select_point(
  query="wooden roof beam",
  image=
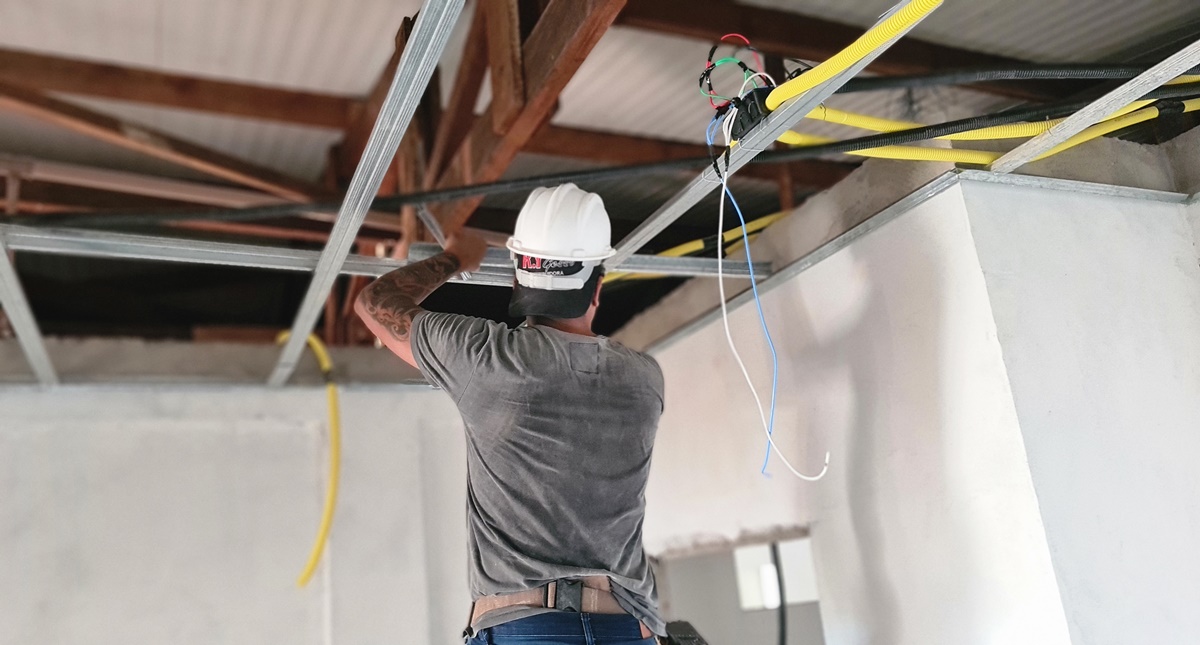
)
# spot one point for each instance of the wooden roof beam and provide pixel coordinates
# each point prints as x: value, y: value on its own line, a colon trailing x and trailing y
x: 138, y: 85
x: 459, y: 112
x: 503, y: 28
x: 557, y: 46
x: 153, y: 144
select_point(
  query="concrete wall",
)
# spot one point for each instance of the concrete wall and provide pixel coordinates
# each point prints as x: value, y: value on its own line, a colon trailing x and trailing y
x: 137, y: 361
x: 702, y: 589
x: 1097, y: 304
x: 185, y: 515
x: 926, y: 530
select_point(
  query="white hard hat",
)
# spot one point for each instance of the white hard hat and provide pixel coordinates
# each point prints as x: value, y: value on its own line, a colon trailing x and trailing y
x: 562, y: 234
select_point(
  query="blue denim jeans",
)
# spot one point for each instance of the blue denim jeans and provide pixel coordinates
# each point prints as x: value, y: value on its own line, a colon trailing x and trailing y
x: 565, y: 628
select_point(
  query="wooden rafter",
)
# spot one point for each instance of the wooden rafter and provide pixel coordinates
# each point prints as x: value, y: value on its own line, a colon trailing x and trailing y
x: 504, y: 60
x: 459, y: 112
x: 797, y: 36
x: 154, y: 144
x: 178, y: 190
x: 557, y: 46
x: 85, y: 78
x: 625, y: 149
x: 43, y: 197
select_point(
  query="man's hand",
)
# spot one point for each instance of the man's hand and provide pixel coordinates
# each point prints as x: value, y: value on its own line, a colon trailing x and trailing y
x: 469, y: 248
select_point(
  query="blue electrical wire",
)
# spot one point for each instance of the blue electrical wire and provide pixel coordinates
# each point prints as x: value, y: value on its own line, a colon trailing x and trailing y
x: 766, y: 332
x: 757, y: 302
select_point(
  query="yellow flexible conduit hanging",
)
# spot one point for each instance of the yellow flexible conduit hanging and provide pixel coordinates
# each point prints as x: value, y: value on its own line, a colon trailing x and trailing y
x: 335, y: 455
x: 839, y: 62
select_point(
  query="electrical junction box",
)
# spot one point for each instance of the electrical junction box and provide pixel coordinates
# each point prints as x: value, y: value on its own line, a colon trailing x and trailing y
x: 751, y: 110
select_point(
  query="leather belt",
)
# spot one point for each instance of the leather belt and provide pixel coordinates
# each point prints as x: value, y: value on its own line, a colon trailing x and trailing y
x: 590, y: 595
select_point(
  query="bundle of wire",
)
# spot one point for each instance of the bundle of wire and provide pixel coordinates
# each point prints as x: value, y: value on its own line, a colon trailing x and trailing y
x: 726, y: 113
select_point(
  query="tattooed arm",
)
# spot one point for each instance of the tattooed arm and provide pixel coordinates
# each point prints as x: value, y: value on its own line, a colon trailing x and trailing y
x: 388, y: 305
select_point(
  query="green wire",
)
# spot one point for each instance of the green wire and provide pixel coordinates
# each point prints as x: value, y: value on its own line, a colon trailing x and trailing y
x: 723, y: 61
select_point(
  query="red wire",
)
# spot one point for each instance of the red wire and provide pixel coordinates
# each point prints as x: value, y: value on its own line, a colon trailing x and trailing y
x: 757, y: 60
x: 746, y: 40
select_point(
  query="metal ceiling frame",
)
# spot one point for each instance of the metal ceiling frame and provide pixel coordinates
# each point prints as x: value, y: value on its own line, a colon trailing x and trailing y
x: 497, y: 267
x: 415, y: 68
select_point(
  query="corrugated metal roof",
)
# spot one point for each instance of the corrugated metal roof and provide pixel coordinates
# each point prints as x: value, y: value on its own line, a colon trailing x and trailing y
x: 295, y: 150
x: 1045, y: 31
x: 329, y: 46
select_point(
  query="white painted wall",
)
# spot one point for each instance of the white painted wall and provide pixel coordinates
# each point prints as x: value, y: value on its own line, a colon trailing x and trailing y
x: 926, y: 529
x: 1097, y: 303
x: 184, y: 515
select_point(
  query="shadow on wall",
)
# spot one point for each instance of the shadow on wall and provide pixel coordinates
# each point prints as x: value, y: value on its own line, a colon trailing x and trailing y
x: 864, y: 379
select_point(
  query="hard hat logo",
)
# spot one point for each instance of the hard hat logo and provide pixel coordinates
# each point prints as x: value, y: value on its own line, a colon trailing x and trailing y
x: 528, y: 264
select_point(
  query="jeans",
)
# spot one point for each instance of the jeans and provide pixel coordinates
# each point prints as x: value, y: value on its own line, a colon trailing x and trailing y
x: 565, y: 628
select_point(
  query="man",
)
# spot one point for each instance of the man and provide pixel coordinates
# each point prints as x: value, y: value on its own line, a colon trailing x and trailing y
x: 560, y: 424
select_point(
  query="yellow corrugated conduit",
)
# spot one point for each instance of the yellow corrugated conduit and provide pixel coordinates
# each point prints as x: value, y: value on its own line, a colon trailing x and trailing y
x: 908, y: 153
x: 1124, y: 118
x: 695, y: 246
x: 1112, y: 125
x: 335, y: 455
x: 1010, y: 131
x: 867, y: 43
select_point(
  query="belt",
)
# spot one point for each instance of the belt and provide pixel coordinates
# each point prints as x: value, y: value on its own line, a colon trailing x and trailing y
x: 590, y: 595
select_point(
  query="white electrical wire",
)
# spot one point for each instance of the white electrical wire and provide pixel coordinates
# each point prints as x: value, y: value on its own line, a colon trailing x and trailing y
x: 751, y: 77
x: 726, y: 130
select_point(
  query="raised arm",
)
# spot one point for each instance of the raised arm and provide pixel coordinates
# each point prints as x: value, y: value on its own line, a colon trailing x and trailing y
x: 389, y: 304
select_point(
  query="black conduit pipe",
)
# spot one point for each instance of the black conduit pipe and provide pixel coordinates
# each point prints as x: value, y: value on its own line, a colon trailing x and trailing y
x: 782, y: 593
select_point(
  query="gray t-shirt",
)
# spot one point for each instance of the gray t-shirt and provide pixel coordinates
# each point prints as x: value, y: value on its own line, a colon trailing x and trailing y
x: 559, y: 433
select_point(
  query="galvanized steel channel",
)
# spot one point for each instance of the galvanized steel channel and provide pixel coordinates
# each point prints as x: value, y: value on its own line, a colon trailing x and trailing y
x: 497, y: 267
x: 16, y: 307
x: 417, y: 62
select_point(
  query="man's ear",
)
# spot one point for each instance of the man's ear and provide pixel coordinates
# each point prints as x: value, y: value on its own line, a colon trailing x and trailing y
x: 596, y: 296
